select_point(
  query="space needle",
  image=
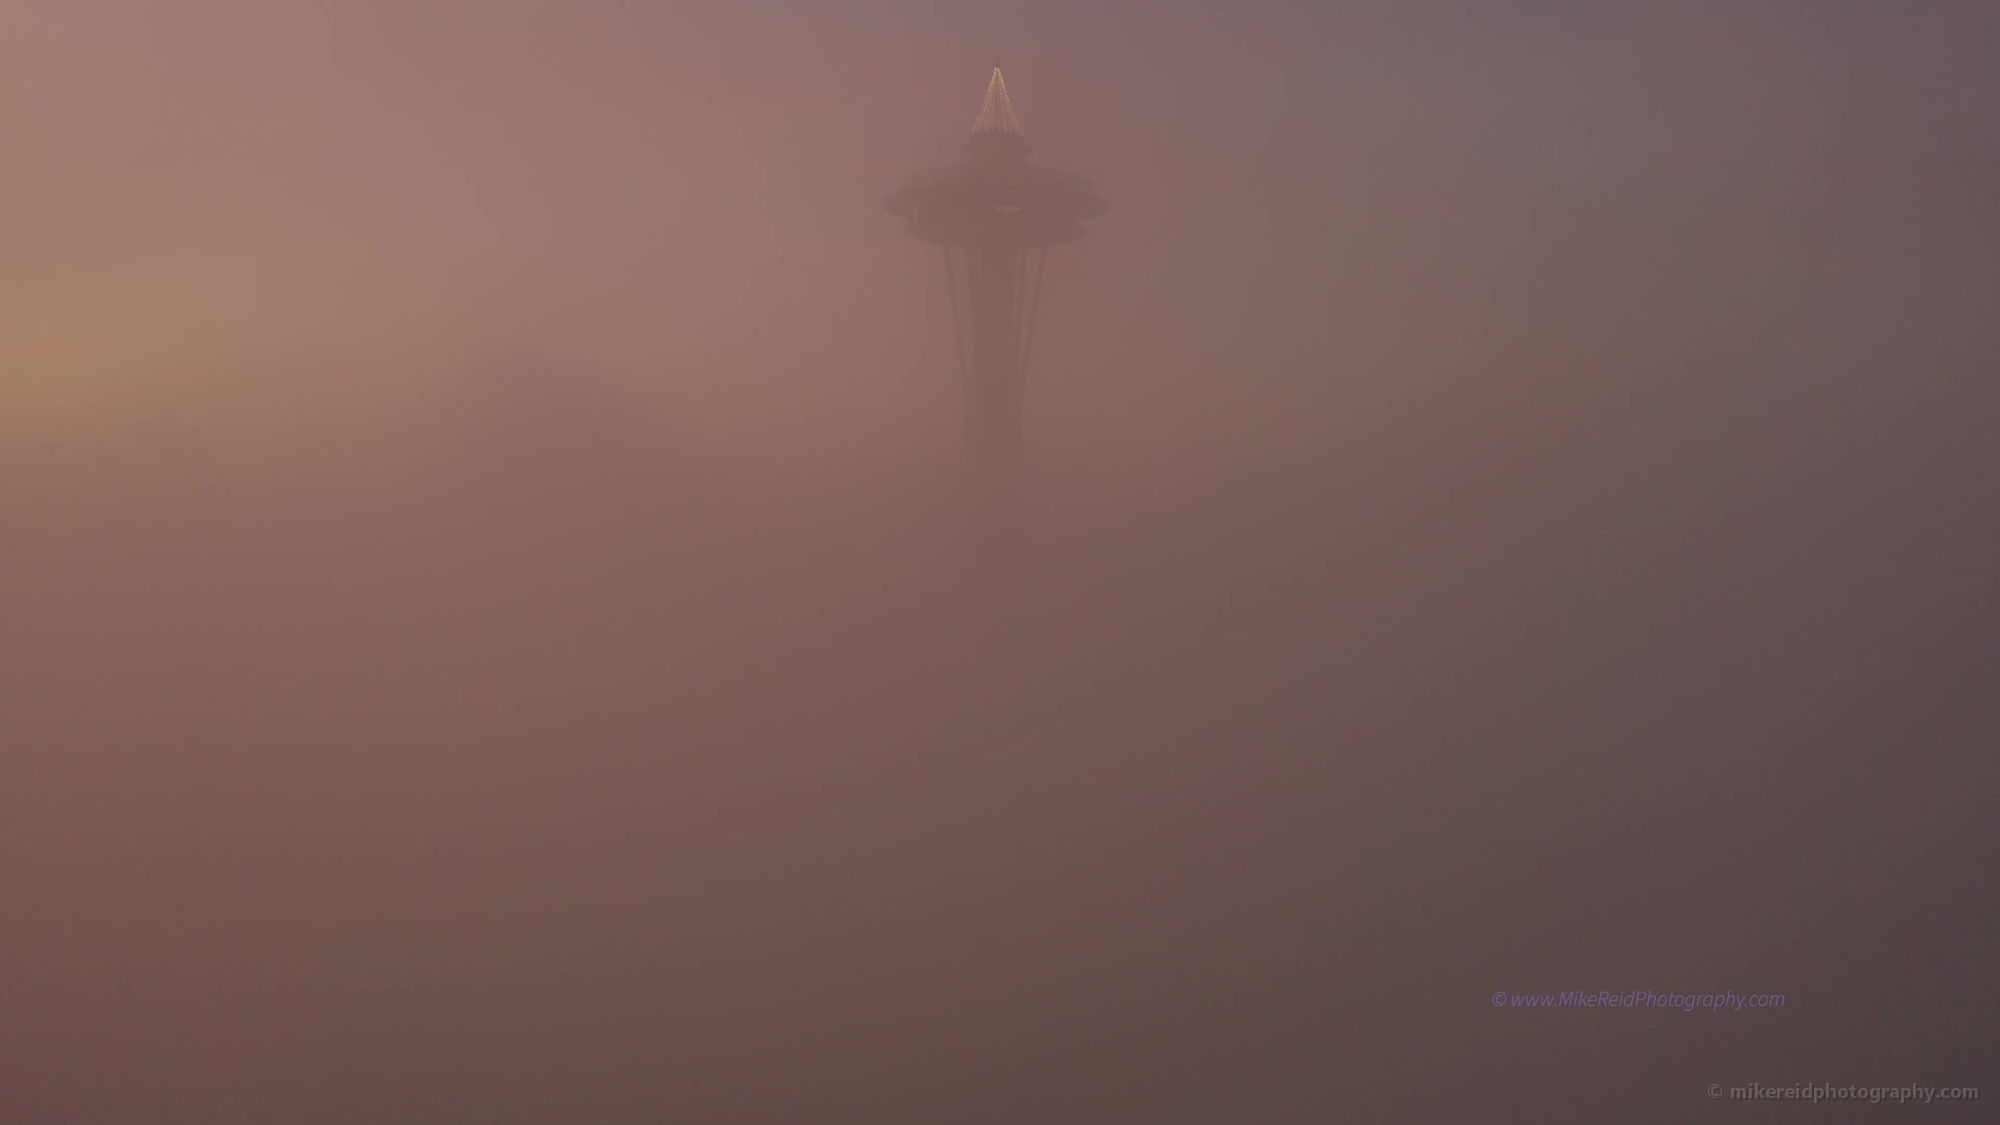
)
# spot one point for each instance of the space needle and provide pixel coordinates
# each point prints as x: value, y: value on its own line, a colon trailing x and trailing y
x: 994, y: 216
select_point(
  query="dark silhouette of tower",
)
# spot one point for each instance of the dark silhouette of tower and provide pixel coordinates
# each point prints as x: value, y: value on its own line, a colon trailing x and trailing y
x: 997, y: 212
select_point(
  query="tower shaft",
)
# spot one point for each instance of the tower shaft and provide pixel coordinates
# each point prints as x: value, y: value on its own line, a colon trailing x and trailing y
x: 995, y: 394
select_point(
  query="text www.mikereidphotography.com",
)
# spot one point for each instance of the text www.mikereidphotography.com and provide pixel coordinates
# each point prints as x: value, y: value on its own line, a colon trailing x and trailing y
x: 1641, y: 998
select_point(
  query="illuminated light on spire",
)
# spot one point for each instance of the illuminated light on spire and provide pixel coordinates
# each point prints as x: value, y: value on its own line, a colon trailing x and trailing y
x: 997, y: 114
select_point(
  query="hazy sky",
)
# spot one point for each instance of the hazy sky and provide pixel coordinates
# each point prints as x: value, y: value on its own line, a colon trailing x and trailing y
x: 206, y: 188
x: 485, y: 630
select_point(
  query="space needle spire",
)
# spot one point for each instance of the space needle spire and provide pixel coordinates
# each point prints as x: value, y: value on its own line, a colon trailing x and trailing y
x: 996, y: 114
x: 995, y: 216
